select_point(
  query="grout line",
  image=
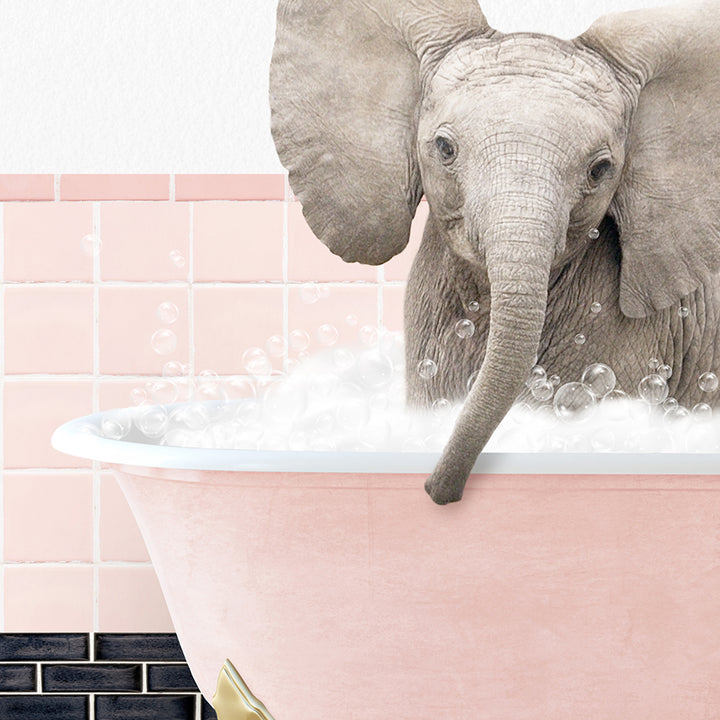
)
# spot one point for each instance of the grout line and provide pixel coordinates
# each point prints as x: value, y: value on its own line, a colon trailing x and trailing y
x: 2, y: 412
x: 38, y: 679
x: 97, y: 232
x: 285, y: 272
x: 144, y: 677
x: 191, y: 293
x: 56, y: 187
x: 172, y: 187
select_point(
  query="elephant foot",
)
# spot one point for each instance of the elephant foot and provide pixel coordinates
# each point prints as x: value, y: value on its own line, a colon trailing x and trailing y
x: 443, y: 490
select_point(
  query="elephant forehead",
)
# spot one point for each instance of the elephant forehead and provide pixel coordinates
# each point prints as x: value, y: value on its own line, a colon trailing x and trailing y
x: 526, y: 60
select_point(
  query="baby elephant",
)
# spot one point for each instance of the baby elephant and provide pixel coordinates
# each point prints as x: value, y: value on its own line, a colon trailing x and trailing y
x: 573, y: 189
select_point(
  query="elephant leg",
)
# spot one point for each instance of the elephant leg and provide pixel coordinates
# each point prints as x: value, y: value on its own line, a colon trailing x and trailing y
x: 442, y: 290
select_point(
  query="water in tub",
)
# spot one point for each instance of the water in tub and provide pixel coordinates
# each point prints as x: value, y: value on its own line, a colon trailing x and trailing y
x: 351, y: 398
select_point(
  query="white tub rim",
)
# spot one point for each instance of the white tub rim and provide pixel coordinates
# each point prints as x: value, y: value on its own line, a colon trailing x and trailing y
x: 73, y: 438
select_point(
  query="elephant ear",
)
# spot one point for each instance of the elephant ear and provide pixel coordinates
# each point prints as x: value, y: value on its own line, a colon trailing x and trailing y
x: 667, y: 206
x: 345, y: 81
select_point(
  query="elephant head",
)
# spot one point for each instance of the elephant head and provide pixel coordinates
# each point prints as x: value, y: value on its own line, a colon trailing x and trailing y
x: 521, y: 143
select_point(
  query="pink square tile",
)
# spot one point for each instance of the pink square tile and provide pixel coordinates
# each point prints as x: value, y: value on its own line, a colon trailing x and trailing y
x: 238, y: 241
x: 399, y: 267
x: 229, y: 320
x: 32, y: 411
x: 48, y: 517
x: 115, y: 187
x: 139, y: 237
x: 27, y: 187
x: 393, y: 299
x: 120, y: 537
x: 347, y: 308
x: 48, y: 599
x: 43, y: 241
x: 309, y: 258
x: 48, y: 329
x: 230, y: 187
x: 128, y: 323
x: 131, y: 601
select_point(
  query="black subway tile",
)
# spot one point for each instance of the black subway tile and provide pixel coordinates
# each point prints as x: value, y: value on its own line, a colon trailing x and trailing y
x: 17, y: 678
x: 155, y: 646
x: 207, y: 712
x: 144, y: 707
x: 92, y: 678
x: 170, y: 677
x: 44, y: 646
x: 42, y: 707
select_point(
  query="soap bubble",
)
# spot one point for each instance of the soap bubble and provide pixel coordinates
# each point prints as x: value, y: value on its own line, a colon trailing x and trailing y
x: 616, y: 405
x: 579, y: 339
x: 256, y: 362
x: 702, y: 411
x: 574, y: 401
x: 554, y: 380
x: 239, y: 387
x: 378, y: 402
x: 678, y: 418
x: 368, y: 335
x: 653, y: 389
x: 536, y: 376
x: 209, y: 386
x: 671, y: 402
x: 91, y: 245
x: 177, y: 258
x: 351, y: 320
x: 161, y: 392
x: 683, y: 312
x: 283, y: 403
x: 248, y: 413
x: 593, y: 233
x: 542, y: 391
x: 464, y: 328
x: 168, y: 312
x: 392, y: 345
x: 276, y: 346
x: 599, y: 378
x: 116, y: 424
x: 471, y: 380
x: 299, y: 340
x: 163, y: 341
x: 175, y: 368
x: 152, y: 421
x: 708, y: 382
x: 194, y: 416
x: 703, y: 439
x: 327, y: 335
x: 603, y: 440
x: 138, y: 396
x: 473, y: 306
x: 427, y: 369
x: 343, y: 358
x: 596, y: 307
x: 665, y: 372
x: 441, y: 407
x: 375, y: 369
x: 653, y: 364
x: 309, y: 293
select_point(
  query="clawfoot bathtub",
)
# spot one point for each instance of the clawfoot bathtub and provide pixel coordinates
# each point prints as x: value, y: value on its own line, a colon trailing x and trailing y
x: 339, y: 591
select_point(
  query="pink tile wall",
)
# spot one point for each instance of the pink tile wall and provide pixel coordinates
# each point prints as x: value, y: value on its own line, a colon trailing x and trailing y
x: 86, y: 260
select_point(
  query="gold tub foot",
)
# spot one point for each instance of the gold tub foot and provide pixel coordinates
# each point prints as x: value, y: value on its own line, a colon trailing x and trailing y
x: 233, y: 700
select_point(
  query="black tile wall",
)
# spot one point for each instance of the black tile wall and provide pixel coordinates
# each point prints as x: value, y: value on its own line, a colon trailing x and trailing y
x: 158, y: 646
x: 41, y: 707
x: 169, y: 677
x: 108, y: 676
x: 146, y: 707
x: 44, y: 646
x: 17, y: 678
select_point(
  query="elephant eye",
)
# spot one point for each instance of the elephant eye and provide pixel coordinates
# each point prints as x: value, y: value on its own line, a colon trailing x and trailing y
x: 446, y: 148
x: 599, y: 170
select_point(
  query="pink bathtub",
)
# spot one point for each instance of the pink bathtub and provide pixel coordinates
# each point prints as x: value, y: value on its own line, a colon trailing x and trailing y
x: 339, y: 591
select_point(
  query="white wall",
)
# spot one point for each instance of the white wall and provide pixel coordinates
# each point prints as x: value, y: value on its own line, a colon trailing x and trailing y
x: 168, y: 85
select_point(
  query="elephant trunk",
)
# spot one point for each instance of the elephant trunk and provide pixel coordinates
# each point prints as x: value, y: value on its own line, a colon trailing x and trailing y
x: 519, y: 250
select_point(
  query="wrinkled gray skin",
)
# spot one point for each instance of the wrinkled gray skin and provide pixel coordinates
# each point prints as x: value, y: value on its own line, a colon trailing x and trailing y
x: 522, y: 145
